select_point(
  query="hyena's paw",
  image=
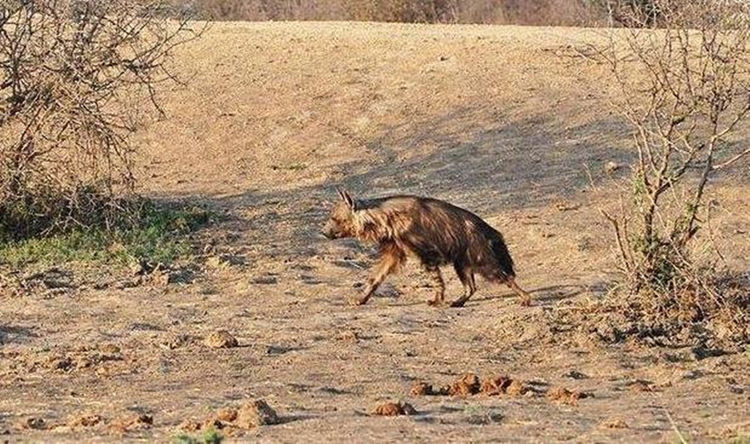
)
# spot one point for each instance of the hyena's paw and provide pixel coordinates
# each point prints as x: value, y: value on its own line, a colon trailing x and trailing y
x: 435, y: 302
x: 357, y: 300
x: 525, y: 302
x: 458, y: 303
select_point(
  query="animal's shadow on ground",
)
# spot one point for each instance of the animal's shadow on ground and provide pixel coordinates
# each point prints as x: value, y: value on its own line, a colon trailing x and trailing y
x: 543, y: 295
x: 549, y: 294
x: 10, y: 333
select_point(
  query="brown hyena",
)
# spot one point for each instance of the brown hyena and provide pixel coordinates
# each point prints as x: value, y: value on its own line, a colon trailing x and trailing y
x: 435, y: 232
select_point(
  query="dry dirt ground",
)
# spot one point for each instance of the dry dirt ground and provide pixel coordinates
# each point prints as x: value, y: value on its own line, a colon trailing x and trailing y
x: 504, y: 121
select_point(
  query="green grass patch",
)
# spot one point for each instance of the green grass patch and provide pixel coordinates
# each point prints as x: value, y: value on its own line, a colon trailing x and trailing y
x: 210, y: 436
x: 150, y: 232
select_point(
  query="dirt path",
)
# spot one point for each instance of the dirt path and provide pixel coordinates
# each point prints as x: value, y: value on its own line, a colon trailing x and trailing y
x: 500, y: 120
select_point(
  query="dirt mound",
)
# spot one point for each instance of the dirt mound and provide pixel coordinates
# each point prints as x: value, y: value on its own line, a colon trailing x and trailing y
x: 468, y: 385
x: 641, y: 386
x: 220, y: 339
x: 422, y: 389
x: 190, y: 425
x: 132, y: 423
x: 254, y: 414
x: 235, y: 419
x: 227, y: 414
x: 85, y: 421
x: 496, y: 386
x: 516, y: 388
x: 565, y: 396
x: 394, y: 409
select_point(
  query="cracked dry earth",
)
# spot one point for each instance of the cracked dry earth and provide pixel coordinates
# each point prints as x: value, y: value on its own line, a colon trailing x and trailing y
x: 500, y: 120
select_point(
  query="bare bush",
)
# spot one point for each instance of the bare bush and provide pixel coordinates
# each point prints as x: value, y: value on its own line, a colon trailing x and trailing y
x: 266, y: 9
x: 528, y: 12
x: 405, y: 11
x: 685, y: 89
x: 73, y: 78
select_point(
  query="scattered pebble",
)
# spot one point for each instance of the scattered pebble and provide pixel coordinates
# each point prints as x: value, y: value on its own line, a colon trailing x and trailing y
x: 496, y: 386
x: 565, y: 396
x: 640, y: 386
x: 394, y: 409
x: 610, y: 167
x: 85, y: 421
x: 254, y: 414
x: 130, y: 423
x: 467, y: 385
x: 33, y: 424
x: 614, y: 423
x: 220, y: 339
x: 227, y: 414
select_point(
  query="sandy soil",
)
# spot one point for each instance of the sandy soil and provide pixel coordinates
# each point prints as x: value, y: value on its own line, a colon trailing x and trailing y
x: 504, y: 121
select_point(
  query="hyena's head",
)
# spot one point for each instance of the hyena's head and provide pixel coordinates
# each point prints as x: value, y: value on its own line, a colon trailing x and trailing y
x: 341, y: 222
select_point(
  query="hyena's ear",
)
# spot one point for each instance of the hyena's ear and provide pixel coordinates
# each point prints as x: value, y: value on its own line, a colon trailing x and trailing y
x: 346, y: 197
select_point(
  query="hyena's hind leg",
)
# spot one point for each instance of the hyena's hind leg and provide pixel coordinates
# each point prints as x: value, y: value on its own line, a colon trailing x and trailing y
x: 467, y: 279
x: 437, y: 276
x: 391, y: 257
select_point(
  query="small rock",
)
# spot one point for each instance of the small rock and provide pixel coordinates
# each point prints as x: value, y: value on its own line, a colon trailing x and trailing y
x: 266, y: 280
x: 564, y: 206
x: 348, y: 336
x: 565, y: 396
x: 640, y: 386
x: 394, y: 409
x: 220, y: 339
x: 614, y: 423
x: 34, y: 424
x: 255, y: 414
x: 137, y: 422
x: 467, y: 385
x: 190, y: 425
x: 224, y: 261
x: 484, y: 418
x: 422, y: 389
x: 110, y: 348
x: 227, y: 414
x: 610, y: 167
x: 161, y: 278
x: 85, y: 421
x: 516, y: 388
x: 64, y: 363
x: 575, y: 374
x: 176, y: 341
x: 496, y: 386
x: 212, y: 423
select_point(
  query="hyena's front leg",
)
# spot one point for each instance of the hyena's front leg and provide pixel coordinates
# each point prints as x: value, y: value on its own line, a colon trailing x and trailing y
x: 390, y: 259
x: 434, y: 272
x: 467, y: 279
x: 525, y: 296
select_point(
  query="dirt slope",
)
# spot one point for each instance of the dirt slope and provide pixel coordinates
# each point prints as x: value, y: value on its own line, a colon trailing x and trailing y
x: 500, y: 120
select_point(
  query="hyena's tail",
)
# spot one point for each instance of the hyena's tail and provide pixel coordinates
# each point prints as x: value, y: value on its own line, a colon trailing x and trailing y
x: 504, y: 269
